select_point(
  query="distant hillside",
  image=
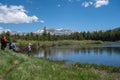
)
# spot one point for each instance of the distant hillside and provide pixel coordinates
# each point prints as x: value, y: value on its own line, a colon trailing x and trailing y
x: 4, y: 30
x: 116, y: 29
x: 53, y: 31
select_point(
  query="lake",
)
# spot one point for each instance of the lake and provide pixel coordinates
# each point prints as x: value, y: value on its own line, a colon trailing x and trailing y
x: 107, y: 54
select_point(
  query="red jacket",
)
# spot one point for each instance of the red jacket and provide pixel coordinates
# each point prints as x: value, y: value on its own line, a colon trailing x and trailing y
x: 4, y: 39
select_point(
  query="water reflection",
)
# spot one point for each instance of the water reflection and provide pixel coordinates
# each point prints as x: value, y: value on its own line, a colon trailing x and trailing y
x: 108, y: 55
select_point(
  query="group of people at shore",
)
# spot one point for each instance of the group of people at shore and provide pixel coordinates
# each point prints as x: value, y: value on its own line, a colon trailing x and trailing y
x: 12, y: 45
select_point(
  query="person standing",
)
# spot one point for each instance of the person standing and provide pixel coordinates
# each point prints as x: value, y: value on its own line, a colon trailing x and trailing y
x: 29, y: 49
x: 3, y: 42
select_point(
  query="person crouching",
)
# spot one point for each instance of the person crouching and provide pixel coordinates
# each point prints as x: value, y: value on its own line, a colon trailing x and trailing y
x: 12, y: 46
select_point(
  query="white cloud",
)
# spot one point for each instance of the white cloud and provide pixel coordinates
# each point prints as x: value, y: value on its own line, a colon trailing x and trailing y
x: 100, y: 3
x: 87, y: 4
x: 15, y: 14
x: 42, y: 21
x: 58, y: 5
x: 4, y: 30
x: 96, y: 3
x: 69, y: 0
x: 73, y: 1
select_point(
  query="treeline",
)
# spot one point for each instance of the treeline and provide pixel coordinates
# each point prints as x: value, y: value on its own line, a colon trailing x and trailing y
x: 110, y: 35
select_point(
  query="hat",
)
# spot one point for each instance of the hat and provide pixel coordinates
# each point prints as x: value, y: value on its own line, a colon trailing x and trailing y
x: 30, y: 44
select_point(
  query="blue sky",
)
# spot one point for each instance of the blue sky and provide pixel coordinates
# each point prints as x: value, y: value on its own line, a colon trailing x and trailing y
x: 77, y: 15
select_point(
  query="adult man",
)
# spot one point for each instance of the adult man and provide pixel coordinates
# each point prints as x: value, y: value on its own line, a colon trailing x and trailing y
x: 3, y: 42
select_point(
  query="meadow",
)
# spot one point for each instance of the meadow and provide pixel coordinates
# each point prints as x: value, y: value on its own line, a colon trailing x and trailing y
x: 17, y: 66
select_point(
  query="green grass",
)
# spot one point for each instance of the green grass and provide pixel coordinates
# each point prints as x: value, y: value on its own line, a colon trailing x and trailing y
x: 98, y: 67
x: 22, y: 43
x: 7, y: 61
x: 14, y: 66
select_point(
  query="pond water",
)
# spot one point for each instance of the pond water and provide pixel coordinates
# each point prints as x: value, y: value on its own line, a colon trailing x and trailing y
x: 107, y: 54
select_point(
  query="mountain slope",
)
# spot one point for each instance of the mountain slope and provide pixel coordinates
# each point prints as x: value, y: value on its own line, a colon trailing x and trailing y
x: 53, y: 31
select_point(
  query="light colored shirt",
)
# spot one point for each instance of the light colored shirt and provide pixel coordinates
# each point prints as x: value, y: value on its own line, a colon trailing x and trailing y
x: 29, y: 48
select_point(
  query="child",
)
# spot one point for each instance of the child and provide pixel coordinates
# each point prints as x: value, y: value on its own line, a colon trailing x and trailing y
x: 29, y: 49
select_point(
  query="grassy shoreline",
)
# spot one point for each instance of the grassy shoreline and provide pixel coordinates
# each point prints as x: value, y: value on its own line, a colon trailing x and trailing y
x: 61, y: 42
x: 16, y: 66
x: 21, y: 44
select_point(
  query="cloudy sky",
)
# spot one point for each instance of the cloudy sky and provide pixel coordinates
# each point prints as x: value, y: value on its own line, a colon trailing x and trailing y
x: 77, y: 15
